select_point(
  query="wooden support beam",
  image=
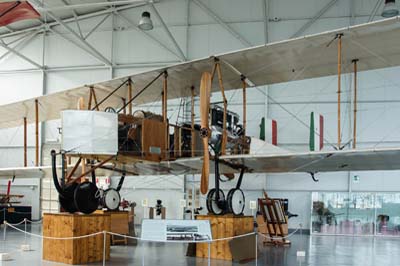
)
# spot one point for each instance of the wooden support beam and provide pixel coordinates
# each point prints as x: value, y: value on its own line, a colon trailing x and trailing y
x: 193, y: 147
x: 355, y: 104
x: 244, y: 107
x: 165, y: 96
x: 123, y: 104
x: 84, y: 174
x: 81, y: 106
x: 130, y: 96
x: 221, y: 86
x: 90, y: 98
x: 69, y: 176
x: 25, y: 144
x: 37, y: 132
x: 95, y: 99
x: 164, y: 111
x: 339, y: 65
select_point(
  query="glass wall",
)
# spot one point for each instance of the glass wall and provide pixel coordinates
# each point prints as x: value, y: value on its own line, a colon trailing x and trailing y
x: 359, y: 213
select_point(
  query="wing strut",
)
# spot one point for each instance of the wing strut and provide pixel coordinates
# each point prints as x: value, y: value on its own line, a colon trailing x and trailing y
x: 339, y: 37
x: 140, y: 92
x: 37, y: 132
x: 25, y: 144
x: 192, y: 123
x: 355, y: 103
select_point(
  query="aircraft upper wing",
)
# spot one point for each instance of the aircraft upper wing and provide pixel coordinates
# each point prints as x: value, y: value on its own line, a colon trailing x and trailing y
x: 327, y: 161
x: 375, y: 44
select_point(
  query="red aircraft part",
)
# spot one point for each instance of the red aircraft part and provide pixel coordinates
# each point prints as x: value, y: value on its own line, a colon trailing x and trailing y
x: 8, y: 188
x: 15, y: 11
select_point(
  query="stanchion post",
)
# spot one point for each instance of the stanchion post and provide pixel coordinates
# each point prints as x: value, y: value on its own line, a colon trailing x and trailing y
x: 4, y: 232
x: 25, y: 231
x: 209, y: 254
x: 104, y: 247
x: 301, y: 236
x: 256, y: 249
x: 142, y: 253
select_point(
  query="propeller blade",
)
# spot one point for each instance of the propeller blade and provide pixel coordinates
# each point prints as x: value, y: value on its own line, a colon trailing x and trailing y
x: 205, y: 93
x: 206, y: 169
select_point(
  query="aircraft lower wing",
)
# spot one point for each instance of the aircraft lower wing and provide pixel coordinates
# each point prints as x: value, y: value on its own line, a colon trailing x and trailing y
x: 327, y: 161
x: 24, y: 172
x: 40, y: 172
x: 312, y: 162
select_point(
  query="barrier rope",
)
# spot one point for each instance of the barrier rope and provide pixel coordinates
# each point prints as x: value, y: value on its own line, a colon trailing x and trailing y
x: 148, y: 240
x: 35, y: 222
x: 51, y: 237
x: 280, y: 237
x: 23, y: 221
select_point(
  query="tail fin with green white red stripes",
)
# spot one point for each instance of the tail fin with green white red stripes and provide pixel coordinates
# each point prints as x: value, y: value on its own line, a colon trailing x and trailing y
x: 316, y: 132
x: 269, y: 131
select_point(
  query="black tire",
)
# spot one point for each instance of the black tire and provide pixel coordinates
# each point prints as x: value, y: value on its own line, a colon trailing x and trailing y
x: 236, y: 201
x: 66, y: 199
x: 85, y: 197
x: 214, y: 207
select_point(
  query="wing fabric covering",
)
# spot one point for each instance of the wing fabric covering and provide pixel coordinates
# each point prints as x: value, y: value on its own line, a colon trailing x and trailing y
x: 284, y: 61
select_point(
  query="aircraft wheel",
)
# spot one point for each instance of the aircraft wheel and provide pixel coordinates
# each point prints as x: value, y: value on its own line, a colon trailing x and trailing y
x: 66, y: 199
x: 236, y: 201
x: 86, y: 197
x: 213, y: 206
x: 111, y: 199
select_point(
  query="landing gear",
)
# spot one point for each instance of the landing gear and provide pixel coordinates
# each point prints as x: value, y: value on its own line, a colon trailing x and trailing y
x: 235, y: 201
x: 216, y: 204
x: 111, y: 199
x: 84, y: 197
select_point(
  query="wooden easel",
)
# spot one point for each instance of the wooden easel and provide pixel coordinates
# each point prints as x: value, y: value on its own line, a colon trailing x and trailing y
x: 272, y: 220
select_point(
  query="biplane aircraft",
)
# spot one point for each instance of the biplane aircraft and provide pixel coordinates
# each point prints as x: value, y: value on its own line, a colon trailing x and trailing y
x: 102, y: 136
x: 8, y: 199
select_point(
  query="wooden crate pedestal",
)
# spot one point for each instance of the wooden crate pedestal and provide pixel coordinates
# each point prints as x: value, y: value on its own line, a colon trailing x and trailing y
x: 224, y: 226
x: 119, y: 225
x: 75, y: 251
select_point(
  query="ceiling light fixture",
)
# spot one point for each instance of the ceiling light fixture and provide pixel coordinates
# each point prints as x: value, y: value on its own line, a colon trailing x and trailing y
x: 390, y: 9
x: 145, y: 22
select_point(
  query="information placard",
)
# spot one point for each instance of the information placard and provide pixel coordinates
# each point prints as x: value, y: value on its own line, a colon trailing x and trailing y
x: 176, y: 230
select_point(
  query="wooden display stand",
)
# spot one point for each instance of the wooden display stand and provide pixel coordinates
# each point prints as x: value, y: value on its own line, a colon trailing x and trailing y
x: 75, y: 251
x: 224, y: 226
x: 119, y: 225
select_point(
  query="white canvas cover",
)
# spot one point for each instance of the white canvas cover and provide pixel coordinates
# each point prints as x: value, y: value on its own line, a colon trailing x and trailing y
x: 89, y: 132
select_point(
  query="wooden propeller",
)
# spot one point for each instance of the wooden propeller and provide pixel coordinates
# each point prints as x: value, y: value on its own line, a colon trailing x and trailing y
x: 205, y: 93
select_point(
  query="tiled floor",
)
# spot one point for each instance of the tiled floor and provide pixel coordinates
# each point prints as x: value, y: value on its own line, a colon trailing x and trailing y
x: 321, y: 251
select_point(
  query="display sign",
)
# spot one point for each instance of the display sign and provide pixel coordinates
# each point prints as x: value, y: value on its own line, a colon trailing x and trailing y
x: 145, y: 202
x: 176, y: 230
x: 253, y: 204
